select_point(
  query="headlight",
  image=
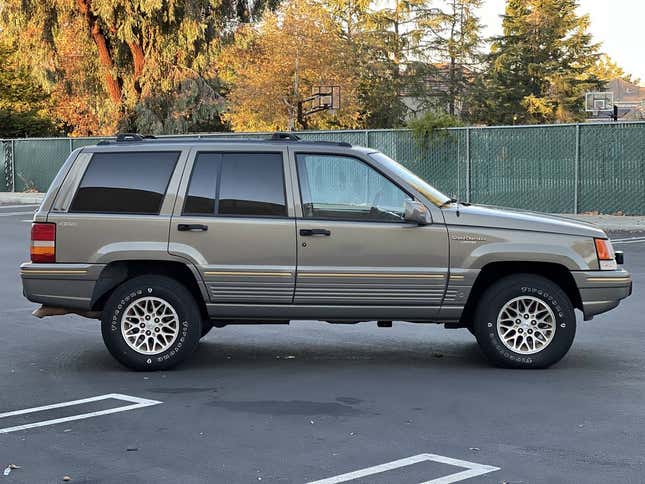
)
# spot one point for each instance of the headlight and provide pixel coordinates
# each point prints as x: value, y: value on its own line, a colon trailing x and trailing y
x: 606, y: 255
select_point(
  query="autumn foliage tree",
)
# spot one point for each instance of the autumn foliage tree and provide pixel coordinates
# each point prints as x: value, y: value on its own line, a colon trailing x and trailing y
x: 127, y: 64
x: 274, y: 65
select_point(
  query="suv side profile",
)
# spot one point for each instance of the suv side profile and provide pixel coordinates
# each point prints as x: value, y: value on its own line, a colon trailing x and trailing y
x: 163, y: 239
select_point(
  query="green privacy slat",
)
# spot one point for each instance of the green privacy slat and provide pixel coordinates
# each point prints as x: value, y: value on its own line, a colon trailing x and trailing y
x: 3, y: 182
x: 612, y: 168
x: 523, y: 167
x: 526, y: 167
x: 38, y: 161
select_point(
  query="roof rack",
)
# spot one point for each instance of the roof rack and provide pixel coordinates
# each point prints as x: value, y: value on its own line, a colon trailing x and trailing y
x: 277, y: 137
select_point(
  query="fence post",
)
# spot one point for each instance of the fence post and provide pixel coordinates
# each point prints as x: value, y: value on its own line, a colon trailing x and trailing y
x: 13, y: 165
x: 367, y: 139
x: 468, y: 164
x: 71, y: 146
x: 576, y: 170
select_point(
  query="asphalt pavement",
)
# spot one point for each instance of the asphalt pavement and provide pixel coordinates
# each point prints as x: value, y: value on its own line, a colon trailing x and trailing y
x: 312, y: 401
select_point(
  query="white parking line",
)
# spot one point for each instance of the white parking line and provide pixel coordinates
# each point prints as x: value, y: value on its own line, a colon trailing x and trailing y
x: 472, y: 470
x: 12, y: 214
x: 629, y: 240
x: 20, y: 206
x: 135, y: 401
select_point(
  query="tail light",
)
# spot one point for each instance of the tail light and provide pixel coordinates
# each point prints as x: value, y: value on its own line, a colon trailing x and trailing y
x: 43, y: 242
x: 606, y: 256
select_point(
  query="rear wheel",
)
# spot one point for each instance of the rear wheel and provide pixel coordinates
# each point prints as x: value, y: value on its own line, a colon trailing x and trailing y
x: 524, y: 321
x: 151, y: 323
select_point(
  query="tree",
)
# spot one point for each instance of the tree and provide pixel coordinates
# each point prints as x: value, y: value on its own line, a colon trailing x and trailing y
x: 453, y: 47
x: 606, y: 69
x: 540, y: 68
x: 133, y: 64
x: 396, y: 41
x: 24, y: 108
x: 272, y: 66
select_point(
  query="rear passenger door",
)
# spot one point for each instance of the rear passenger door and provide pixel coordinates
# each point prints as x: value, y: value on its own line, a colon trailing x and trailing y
x: 233, y: 220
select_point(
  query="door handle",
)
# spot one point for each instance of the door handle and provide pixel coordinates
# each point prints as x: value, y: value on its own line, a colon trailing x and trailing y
x: 192, y: 227
x: 312, y: 232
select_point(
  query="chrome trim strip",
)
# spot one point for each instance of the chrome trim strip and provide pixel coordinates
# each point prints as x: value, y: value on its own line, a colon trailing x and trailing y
x: 347, y: 274
x: 53, y: 271
x: 609, y: 279
x: 232, y: 273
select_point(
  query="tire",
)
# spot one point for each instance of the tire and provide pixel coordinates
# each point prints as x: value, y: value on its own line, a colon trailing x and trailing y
x: 206, y: 328
x: 163, y: 342
x: 511, y: 299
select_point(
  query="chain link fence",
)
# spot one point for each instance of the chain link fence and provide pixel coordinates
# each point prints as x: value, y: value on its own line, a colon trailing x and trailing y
x: 572, y: 168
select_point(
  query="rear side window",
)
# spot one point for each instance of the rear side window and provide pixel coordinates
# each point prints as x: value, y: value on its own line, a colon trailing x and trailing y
x: 237, y: 184
x: 129, y: 183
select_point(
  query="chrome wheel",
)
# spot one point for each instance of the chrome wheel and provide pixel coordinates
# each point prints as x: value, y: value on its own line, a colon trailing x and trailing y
x: 526, y: 325
x: 150, y: 325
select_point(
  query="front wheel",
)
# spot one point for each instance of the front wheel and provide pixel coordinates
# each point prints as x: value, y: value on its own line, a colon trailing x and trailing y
x: 524, y: 321
x: 151, y: 323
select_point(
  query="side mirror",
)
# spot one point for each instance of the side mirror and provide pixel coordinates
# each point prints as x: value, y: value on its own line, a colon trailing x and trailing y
x: 417, y: 212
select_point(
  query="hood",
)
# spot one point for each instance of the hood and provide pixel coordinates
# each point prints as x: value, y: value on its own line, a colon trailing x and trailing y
x: 484, y: 216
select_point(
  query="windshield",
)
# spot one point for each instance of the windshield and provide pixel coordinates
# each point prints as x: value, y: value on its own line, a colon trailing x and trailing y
x: 428, y: 191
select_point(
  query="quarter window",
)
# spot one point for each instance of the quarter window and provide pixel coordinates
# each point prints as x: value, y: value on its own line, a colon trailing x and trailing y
x: 129, y: 183
x: 345, y: 188
x: 237, y: 184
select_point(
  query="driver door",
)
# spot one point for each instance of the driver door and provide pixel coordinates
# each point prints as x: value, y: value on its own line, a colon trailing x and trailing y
x: 354, y: 247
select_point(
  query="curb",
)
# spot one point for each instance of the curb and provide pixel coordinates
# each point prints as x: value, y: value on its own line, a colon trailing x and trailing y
x: 21, y: 198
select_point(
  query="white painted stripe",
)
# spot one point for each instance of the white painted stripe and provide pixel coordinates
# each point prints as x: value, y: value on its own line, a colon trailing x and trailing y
x: 13, y: 214
x: 626, y: 239
x: 136, y: 403
x: 472, y: 470
x: 26, y: 205
x: 629, y: 242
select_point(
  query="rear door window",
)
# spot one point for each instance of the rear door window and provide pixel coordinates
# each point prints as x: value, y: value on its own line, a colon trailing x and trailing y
x: 237, y: 184
x: 125, y: 182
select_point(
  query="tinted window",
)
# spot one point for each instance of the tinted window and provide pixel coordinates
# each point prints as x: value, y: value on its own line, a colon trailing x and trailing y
x: 201, y: 196
x: 133, y: 182
x: 252, y: 184
x: 345, y: 188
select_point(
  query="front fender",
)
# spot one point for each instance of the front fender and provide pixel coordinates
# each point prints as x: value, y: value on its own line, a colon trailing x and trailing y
x: 473, y: 248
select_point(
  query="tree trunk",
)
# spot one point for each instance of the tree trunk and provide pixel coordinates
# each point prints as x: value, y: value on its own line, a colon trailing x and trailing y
x: 113, y: 83
x: 139, y: 61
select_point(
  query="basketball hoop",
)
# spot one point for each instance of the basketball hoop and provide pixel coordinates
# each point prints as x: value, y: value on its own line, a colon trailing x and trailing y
x: 323, y: 98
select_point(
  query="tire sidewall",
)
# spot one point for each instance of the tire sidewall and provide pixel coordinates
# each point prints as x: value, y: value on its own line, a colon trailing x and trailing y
x: 174, y: 294
x: 542, y: 289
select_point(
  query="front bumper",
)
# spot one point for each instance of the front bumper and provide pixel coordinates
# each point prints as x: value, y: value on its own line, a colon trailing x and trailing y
x: 601, y: 291
x: 60, y: 285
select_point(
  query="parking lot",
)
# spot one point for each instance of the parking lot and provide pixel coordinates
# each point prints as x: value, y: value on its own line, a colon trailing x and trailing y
x: 314, y: 402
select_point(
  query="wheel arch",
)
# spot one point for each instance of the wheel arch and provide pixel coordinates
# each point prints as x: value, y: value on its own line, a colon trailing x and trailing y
x: 556, y: 273
x: 117, y: 272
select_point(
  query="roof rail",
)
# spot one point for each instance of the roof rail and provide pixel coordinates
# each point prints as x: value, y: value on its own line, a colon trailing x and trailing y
x: 280, y: 136
x: 277, y: 136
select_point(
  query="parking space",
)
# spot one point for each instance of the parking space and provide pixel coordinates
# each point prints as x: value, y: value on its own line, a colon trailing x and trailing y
x: 318, y: 403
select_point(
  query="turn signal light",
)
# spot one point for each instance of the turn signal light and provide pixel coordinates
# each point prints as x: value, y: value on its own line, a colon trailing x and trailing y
x: 43, y: 242
x: 606, y: 256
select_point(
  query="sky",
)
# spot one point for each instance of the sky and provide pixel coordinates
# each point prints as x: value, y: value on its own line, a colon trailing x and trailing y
x: 617, y: 24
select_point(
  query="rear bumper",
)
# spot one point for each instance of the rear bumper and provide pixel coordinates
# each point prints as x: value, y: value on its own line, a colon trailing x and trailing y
x: 60, y: 285
x: 601, y: 291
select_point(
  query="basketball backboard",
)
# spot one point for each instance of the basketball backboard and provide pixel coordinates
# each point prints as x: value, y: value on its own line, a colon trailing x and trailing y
x: 597, y: 102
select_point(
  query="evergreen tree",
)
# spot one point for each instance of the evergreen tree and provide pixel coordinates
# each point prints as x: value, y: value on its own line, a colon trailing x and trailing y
x: 540, y: 68
x: 453, y: 48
